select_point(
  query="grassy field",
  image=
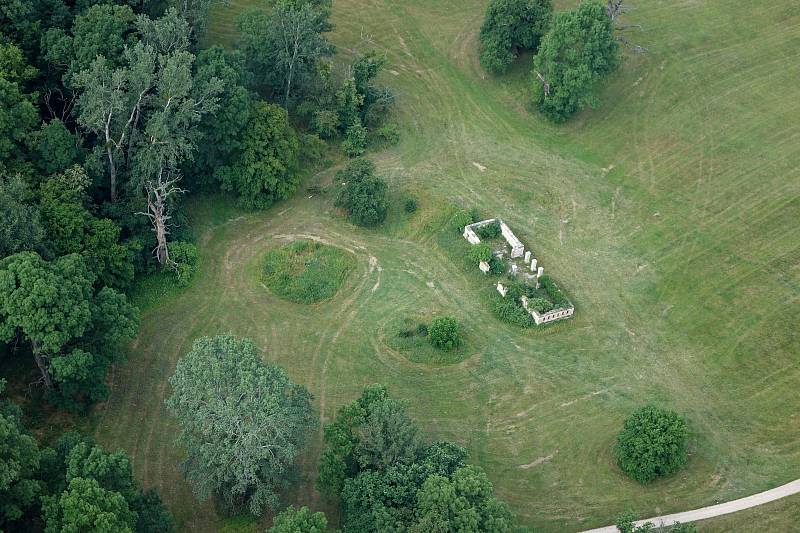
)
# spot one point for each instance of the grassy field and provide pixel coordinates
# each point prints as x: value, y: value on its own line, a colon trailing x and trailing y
x: 670, y: 215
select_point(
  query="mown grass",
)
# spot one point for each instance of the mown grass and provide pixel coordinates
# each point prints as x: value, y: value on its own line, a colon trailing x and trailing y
x: 670, y: 215
x: 306, y: 272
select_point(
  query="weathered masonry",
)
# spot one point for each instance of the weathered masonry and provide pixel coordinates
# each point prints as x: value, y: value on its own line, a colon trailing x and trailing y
x: 529, y: 263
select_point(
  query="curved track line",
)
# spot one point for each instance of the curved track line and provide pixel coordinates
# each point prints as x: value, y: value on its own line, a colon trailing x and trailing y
x: 712, y: 511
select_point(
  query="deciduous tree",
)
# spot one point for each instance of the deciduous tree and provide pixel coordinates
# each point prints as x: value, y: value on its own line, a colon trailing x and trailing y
x: 242, y: 421
x: 574, y: 56
x: 652, y: 443
x: 511, y: 26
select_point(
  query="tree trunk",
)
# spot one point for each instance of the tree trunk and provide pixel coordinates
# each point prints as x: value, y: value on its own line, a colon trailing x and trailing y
x: 112, y: 169
x: 37, y: 356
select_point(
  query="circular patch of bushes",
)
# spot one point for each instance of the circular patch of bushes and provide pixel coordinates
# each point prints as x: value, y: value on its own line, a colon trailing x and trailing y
x: 306, y: 271
x: 652, y: 444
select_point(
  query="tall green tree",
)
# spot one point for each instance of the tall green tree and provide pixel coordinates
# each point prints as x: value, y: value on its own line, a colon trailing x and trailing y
x: 48, y: 303
x: 574, y: 56
x: 509, y: 27
x: 283, y: 45
x: 652, y: 443
x: 242, y: 421
x: 363, y: 195
x: 267, y: 170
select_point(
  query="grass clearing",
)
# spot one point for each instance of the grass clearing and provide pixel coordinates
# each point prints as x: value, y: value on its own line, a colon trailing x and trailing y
x: 658, y: 213
x: 306, y: 272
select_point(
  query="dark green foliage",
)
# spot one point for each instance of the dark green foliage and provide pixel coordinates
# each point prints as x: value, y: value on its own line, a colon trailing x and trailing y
x: 480, y: 252
x: 302, y: 520
x: 325, y: 123
x: 186, y: 259
x: 243, y: 423
x: 410, y: 205
x: 509, y: 27
x: 20, y: 225
x: 56, y: 147
x: 574, y: 56
x: 355, y: 140
x: 282, y: 46
x: 372, y: 431
x: 152, y: 515
x: 652, y: 444
x: 268, y: 168
x: 414, y: 486
x: 489, y: 231
x: 496, y: 265
x: 18, y: 115
x: 363, y: 195
x: 223, y: 132
x: 444, y: 333
x: 306, y: 271
x: 20, y: 487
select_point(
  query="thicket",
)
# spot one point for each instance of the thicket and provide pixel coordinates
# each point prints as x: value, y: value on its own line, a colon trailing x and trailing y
x: 444, y: 333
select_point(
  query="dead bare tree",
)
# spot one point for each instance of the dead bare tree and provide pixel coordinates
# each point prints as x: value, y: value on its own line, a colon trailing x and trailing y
x: 159, y: 192
x: 615, y: 9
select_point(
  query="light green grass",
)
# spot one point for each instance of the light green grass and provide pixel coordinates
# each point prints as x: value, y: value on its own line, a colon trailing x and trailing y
x: 683, y: 261
x: 306, y: 271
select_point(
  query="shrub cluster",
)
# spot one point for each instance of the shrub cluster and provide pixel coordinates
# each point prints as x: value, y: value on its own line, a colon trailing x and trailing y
x: 480, y: 252
x: 444, y: 333
x: 489, y: 231
x: 509, y: 310
x: 186, y: 259
x: 511, y: 26
x: 305, y: 271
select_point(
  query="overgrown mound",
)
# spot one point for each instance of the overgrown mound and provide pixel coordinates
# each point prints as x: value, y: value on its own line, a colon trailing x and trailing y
x: 306, y: 272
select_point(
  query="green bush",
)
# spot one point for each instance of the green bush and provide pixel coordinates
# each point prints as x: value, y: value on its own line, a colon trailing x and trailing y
x: 325, y: 123
x: 185, y: 256
x: 554, y: 294
x: 652, y: 444
x: 540, y: 304
x: 410, y: 205
x: 489, y: 231
x: 444, y: 333
x: 480, y: 252
x: 460, y: 219
x: 496, y: 265
x: 363, y: 195
x: 355, y: 140
x: 509, y: 310
x: 306, y: 271
x: 389, y: 133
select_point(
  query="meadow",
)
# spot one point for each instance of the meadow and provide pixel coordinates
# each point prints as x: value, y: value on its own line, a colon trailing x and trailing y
x: 670, y: 214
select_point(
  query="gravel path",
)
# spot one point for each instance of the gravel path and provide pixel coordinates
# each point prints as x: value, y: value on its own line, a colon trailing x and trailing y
x: 712, y: 511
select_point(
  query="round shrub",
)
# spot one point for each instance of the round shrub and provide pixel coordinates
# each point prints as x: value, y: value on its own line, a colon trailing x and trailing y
x: 389, y: 133
x: 480, y: 252
x: 410, y: 205
x: 444, y: 333
x: 652, y: 444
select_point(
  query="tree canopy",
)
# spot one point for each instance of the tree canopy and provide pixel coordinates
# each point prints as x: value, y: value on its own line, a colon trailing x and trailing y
x: 512, y: 26
x: 242, y: 421
x: 578, y: 51
x: 362, y: 194
x: 652, y: 443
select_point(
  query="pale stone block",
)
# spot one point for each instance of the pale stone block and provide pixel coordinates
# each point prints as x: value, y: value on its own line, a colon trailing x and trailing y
x: 528, y: 256
x: 540, y: 272
x: 484, y: 266
x: 501, y: 289
x: 533, y: 264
